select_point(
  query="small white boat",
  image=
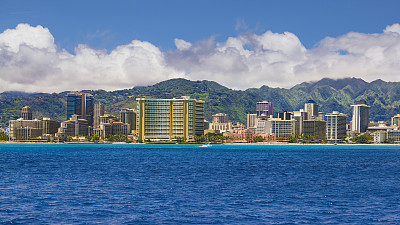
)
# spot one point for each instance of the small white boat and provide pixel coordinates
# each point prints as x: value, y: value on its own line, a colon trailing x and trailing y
x: 207, y: 144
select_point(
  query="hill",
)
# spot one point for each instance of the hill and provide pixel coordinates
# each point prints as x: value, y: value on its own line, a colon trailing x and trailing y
x: 383, y: 97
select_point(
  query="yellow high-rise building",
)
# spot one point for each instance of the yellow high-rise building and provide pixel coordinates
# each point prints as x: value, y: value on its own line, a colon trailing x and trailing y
x: 167, y: 119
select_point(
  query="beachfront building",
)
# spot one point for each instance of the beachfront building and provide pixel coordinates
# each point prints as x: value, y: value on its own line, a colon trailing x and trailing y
x: 315, y: 128
x: 380, y: 136
x: 335, y: 126
x: 280, y: 128
x: 166, y: 119
x: 26, y: 128
x: 394, y: 136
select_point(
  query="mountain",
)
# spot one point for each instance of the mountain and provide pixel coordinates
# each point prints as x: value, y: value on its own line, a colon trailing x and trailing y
x: 330, y: 94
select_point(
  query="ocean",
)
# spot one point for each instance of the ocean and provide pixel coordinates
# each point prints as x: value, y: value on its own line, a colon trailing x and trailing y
x: 185, y: 184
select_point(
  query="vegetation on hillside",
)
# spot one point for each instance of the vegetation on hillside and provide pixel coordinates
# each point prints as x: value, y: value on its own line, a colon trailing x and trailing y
x: 338, y: 95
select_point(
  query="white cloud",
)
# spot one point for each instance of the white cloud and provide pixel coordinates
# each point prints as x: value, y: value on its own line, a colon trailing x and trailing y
x: 30, y: 61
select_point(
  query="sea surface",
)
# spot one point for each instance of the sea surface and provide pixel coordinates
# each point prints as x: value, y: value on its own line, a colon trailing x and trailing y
x: 185, y: 184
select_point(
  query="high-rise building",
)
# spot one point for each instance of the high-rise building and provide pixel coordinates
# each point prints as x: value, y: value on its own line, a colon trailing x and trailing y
x: 129, y: 116
x: 220, y: 118
x: 335, y: 126
x: 26, y: 113
x: 169, y: 118
x: 98, y: 111
x: 360, y: 120
x: 81, y: 104
x: 264, y: 108
x: 251, y: 121
x: 311, y: 108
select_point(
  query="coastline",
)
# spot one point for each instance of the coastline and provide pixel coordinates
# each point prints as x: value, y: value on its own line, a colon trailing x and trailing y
x: 236, y: 144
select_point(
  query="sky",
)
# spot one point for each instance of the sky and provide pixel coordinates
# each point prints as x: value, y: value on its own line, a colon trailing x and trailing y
x: 54, y: 46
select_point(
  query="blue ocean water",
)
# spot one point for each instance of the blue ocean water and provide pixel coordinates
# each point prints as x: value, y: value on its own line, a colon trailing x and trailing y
x: 184, y: 184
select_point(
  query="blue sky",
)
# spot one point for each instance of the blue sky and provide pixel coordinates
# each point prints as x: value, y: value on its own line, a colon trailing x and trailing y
x: 107, y: 24
x: 240, y: 44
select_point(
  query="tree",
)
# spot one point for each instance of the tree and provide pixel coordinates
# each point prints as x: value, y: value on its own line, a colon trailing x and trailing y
x: 3, y: 137
x: 258, y: 139
x: 179, y: 139
x: 363, y: 139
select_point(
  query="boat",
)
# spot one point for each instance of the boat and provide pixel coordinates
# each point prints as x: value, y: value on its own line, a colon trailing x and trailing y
x: 207, y: 144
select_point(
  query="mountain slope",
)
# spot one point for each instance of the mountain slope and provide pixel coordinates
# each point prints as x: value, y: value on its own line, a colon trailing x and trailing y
x: 338, y: 95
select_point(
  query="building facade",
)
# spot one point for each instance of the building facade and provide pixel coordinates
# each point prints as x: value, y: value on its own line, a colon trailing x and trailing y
x: 280, y: 128
x: 396, y: 120
x: 81, y: 104
x: 98, y: 111
x: 220, y: 118
x: 251, y: 121
x: 264, y: 108
x: 25, y: 129
x: 311, y: 107
x: 335, y: 126
x: 360, y: 120
x: 299, y: 117
x: 129, y: 116
x: 26, y: 113
x: 316, y: 128
x: 285, y: 115
x: 166, y: 119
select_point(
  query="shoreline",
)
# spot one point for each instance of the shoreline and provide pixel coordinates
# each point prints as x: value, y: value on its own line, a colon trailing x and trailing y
x: 134, y: 143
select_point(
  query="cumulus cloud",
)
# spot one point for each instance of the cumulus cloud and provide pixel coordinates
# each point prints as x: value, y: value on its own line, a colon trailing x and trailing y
x: 31, y: 61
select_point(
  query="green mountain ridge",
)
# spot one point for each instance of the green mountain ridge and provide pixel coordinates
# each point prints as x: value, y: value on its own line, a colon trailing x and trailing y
x: 331, y: 95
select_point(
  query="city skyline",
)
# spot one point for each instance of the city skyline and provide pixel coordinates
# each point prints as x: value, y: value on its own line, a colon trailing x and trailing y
x: 280, y: 44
